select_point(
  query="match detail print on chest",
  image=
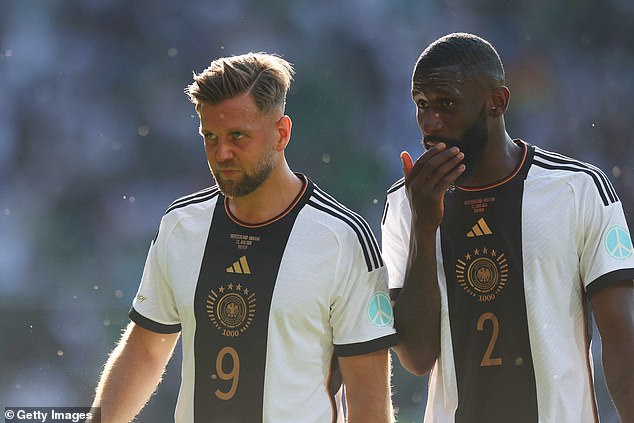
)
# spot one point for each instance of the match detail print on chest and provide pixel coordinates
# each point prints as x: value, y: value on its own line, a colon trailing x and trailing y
x: 243, y: 267
x: 480, y: 255
x: 231, y: 304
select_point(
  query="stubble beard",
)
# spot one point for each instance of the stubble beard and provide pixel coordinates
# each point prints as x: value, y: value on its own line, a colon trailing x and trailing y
x: 250, y: 182
x: 472, y: 144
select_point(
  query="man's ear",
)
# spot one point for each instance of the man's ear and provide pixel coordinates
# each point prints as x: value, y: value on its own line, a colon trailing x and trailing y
x: 499, y: 101
x: 284, y: 126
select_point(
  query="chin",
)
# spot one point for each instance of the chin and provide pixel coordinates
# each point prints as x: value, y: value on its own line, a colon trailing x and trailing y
x: 226, y: 187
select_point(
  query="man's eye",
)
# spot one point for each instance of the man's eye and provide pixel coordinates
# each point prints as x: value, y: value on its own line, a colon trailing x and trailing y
x: 448, y: 104
x: 422, y: 104
x: 209, y: 137
x: 237, y: 135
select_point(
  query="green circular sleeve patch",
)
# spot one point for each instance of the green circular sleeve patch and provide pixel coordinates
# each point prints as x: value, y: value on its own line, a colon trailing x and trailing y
x: 618, y: 242
x: 380, y: 310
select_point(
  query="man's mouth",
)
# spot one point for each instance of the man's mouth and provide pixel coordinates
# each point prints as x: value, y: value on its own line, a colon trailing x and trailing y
x: 228, y: 171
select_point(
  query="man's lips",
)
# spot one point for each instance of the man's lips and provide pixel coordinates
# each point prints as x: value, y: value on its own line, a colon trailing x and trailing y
x: 430, y: 143
x: 228, y: 172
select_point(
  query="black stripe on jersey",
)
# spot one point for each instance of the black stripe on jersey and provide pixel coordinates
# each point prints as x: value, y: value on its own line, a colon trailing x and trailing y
x: 148, y: 324
x: 559, y: 162
x: 607, y: 279
x: 197, y: 197
x: 395, y: 187
x: 355, y: 228
x: 486, y: 305
x: 565, y: 159
x: 322, y: 201
x: 366, y: 347
x: 398, y: 184
x: 604, y: 179
x: 232, y: 317
x: 386, y: 207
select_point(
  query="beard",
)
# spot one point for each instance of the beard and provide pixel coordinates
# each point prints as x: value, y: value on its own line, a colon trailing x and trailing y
x: 472, y: 144
x: 249, y: 182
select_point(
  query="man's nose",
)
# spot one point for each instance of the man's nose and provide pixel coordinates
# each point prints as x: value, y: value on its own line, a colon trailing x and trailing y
x: 224, y: 150
x: 431, y: 123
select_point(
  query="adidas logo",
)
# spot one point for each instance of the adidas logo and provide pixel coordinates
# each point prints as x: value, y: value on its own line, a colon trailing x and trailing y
x: 479, y: 229
x: 240, y: 266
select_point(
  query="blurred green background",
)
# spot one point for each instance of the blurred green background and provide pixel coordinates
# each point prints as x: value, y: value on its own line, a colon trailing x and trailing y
x: 97, y: 138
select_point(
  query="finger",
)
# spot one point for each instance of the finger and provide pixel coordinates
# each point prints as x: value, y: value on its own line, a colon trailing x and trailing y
x: 443, y: 165
x: 430, y: 172
x: 408, y: 163
x: 449, y: 179
x: 424, y: 161
x: 433, y: 151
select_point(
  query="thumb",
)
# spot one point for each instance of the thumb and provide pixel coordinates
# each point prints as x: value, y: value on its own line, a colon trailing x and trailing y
x: 408, y: 163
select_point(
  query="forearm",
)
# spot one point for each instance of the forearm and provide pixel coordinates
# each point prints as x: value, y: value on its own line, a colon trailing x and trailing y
x: 417, y: 309
x: 376, y: 407
x: 619, y: 376
x: 131, y: 374
x: 125, y: 386
x: 368, y: 392
x: 614, y: 312
x: 374, y: 411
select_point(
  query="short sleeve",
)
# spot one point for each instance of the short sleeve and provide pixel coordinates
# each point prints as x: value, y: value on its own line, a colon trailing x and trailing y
x: 154, y: 307
x: 361, y: 314
x: 606, y: 253
x: 395, y: 231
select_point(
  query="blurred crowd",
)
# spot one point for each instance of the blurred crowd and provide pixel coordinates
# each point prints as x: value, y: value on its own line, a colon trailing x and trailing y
x: 97, y: 138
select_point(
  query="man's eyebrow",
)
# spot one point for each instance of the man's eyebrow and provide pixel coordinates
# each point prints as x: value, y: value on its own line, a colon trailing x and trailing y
x: 444, y: 90
x: 436, y: 90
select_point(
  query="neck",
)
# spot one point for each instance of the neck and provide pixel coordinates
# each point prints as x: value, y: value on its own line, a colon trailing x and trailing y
x: 270, y: 199
x: 499, y: 159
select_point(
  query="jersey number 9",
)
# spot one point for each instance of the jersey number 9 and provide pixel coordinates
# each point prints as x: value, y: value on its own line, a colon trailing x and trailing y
x: 232, y: 374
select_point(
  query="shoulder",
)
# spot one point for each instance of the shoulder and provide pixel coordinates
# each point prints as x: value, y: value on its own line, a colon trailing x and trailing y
x: 582, y: 176
x: 346, y: 225
x: 395, y: 200
x: 396, y: 193
x: 397, y: 188
x: 196, y: 207
x: 197, y: 200
x: 333, y: 213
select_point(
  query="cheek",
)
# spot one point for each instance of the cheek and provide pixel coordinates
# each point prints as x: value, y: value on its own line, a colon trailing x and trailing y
x: 210, y: 151
x: 419, y: 118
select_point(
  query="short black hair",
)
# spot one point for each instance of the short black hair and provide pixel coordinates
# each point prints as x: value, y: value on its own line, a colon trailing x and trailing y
x: 476, y: 58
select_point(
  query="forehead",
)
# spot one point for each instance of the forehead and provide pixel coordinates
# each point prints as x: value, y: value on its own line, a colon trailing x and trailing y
x: 236, y: 112
x: 446, y: 80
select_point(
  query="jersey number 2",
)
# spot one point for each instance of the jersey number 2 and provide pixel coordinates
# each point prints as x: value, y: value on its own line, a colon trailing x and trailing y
x: 487, y: 360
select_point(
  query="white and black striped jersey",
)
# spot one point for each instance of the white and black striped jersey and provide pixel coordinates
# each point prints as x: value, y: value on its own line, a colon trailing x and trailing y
x: 264, y: 310
x: 518, y: 262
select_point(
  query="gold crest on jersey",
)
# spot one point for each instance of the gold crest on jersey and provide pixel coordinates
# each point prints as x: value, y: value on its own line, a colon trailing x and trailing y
x: 483, y: 273
x: 231, y: 309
